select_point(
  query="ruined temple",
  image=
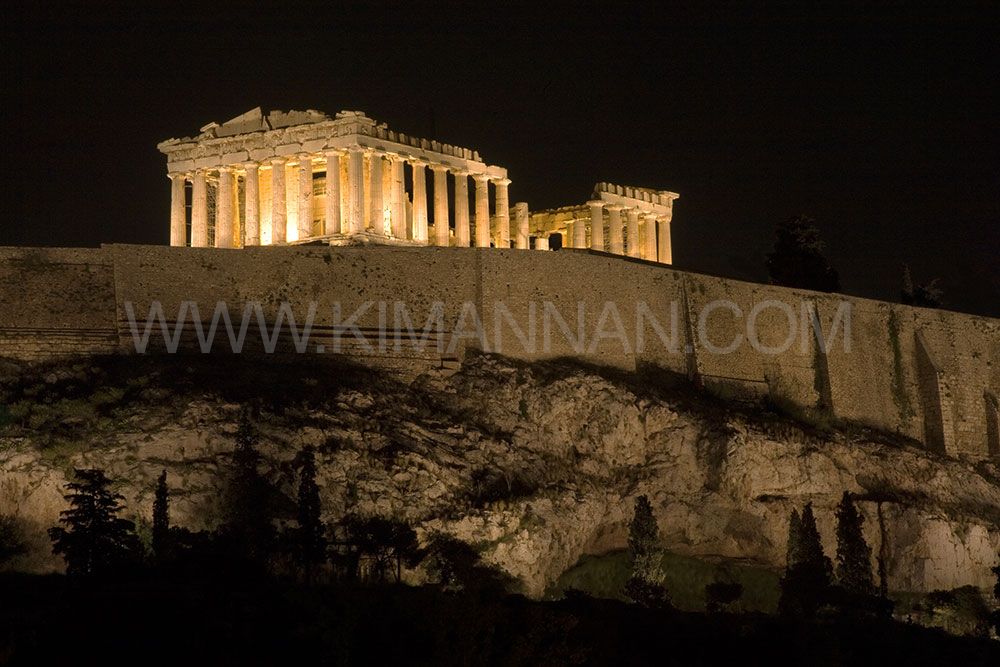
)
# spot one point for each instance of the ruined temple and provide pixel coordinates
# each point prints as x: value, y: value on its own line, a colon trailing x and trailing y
x: 263, y: 179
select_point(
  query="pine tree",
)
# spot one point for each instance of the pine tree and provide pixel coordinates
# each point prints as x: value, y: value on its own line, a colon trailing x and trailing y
x: 798, y: 260
x: 161, y: 518
x: 312, y: 541
x: 854, y: 570
x: 95, y: 540
x: 645, y: 585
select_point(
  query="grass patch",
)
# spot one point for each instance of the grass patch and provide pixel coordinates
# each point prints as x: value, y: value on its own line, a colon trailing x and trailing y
x: 604, y: 576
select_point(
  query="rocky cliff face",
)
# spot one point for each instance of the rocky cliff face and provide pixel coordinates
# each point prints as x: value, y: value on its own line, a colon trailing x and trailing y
x: 538, y: 465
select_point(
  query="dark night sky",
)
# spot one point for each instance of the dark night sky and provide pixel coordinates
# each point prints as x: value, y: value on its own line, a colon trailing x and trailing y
x: 881, y: 124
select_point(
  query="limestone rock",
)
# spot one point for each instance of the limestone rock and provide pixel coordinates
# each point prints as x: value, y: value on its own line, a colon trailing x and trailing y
x: 539, y: 466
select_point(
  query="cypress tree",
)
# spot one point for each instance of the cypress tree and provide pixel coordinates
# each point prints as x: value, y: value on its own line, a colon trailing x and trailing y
x: 812, y: 547
x: 854, y: 570
x: 161, y: 518
x: 642, y: 530
x: 312, y: 542
x: 806, y: 581
x: 793, y: 549
x: 247, y: 508
x: 645, y: 585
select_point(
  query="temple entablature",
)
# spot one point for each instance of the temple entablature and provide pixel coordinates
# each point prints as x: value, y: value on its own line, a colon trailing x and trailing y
x: 257, y: 136
x: 660, y: 202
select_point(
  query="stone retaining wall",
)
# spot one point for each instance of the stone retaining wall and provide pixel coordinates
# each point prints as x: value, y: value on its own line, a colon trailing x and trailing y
x: 931, y: 375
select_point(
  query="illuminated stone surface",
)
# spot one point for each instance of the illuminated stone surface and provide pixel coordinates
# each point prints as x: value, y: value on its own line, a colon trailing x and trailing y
x: 721, y: 485
x: 367, y: 199
x: 375, y: 201
x: 442, y: 236
x: 482, y: 210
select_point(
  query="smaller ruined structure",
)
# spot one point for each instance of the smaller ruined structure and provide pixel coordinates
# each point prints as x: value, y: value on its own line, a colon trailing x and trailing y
x: 646, y: 215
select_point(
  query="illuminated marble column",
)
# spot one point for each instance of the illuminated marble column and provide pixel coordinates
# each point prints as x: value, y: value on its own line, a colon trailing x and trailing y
x: 521, y: 241
x: 542, y: 243
x: 596, y: 224
x: 649, y: 238
x: 178, y: 233
x: 502, y: 212
x: 397, y: 205
x: 224, y: 209
x: 462, y: 209
x: 632, y: 241
x: 251, y: 197
x: 441, y: 220
x: 376, y: 210
x: 664, y: 250
x: 304, y: 221
x: 199, y: 210
x: 419, y: 173
x: 332, y: 192
x: 279, y: 213
x: 579, y: 234
x: 615, y: 236
x: 482, y: 210
x: 355, y: 189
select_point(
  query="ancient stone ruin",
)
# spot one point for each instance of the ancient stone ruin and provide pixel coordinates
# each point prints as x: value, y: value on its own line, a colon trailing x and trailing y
x: 263, y: 179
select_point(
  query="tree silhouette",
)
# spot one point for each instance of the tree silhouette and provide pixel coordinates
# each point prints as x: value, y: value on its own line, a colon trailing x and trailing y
x: 645, y: 585
x: 854, y: 570
x: 95, y: 540
x: 311, y: 538
x: 806, y: 582
x: 456, y: 565
x: 798, y: 260
x: 161, y: 518
x: 247, y: 522
x: 995, y: 616
x: 718, y: 594
x: 927, y: 295
x: 11, y: 539
x: 384, y: 544
x: 793, y: 548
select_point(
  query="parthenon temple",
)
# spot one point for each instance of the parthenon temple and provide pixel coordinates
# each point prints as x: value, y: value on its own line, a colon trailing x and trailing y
x: 261, y: 179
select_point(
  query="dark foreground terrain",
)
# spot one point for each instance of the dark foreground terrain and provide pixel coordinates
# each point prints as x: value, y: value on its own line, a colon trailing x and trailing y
x: 53, y: 620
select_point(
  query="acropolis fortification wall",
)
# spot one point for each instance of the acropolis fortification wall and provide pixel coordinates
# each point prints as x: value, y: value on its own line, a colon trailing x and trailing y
x: 931, y: 375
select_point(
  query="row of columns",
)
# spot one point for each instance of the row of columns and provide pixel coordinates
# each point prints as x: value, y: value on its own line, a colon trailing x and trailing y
x: 650, y: 241
x: 351, y: 198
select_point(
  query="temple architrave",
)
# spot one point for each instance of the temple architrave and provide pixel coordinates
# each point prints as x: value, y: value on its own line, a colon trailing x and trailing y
x: 262, y: 179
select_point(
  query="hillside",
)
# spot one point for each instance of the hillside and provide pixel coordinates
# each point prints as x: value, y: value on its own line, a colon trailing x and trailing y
x: 536, y: 464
